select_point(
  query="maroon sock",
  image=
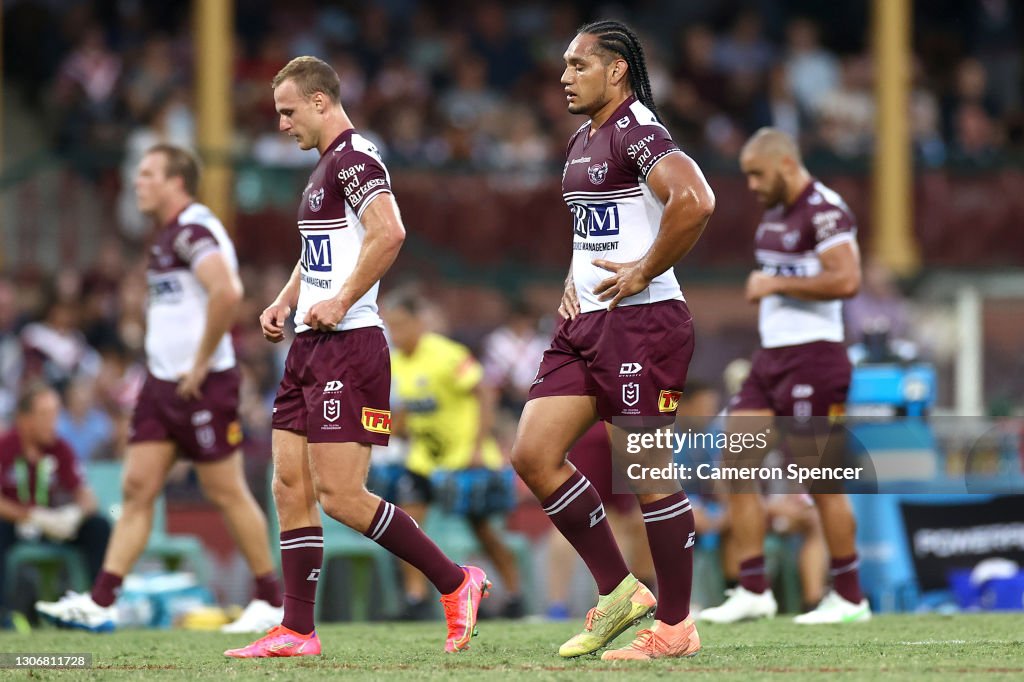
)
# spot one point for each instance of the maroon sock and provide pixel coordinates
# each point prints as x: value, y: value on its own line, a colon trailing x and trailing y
x: 846, y: 578
x: 670, y: 533
x: 753, y: 576
x: 104, y: 587
x: 578, y: 514
x: 268, y: 588
x: 397, y: 532
x: 302, y: 555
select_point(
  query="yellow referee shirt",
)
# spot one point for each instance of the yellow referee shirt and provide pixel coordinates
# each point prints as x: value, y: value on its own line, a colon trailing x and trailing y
x: 434, y: 386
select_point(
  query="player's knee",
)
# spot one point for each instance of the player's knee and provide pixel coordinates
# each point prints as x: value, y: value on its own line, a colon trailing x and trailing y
x: 339, y: 507
x: 287, y: 493
x: 527, y: 463
x: 224, y: 496
x: 139, y: 490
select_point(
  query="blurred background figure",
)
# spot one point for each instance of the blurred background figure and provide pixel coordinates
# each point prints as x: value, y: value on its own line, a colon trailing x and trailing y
x: 43, y: 494
x: 447, y: 413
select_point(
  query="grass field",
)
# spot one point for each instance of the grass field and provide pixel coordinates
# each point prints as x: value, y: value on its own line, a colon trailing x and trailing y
x: 900, y: 647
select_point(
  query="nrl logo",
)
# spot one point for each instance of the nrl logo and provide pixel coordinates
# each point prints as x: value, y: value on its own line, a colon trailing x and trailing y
x: 332, y: 410
x: 598, y: 172
x: 631, y: 394
x: 316, y: 200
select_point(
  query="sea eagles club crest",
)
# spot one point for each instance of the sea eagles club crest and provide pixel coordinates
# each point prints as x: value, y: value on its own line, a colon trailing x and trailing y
x: 316, y: 200
x: 598, y: 172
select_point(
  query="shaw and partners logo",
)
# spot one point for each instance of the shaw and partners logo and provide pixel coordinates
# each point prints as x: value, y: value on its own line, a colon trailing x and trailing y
x: 595, y: 220
x: 316, y: 252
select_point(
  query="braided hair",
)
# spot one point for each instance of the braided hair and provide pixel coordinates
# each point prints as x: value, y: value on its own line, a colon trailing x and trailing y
x: 617, y: 38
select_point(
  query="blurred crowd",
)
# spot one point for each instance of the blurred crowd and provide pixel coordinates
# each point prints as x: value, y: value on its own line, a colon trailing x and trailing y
x: 475, y: 85
x: 441, y: 85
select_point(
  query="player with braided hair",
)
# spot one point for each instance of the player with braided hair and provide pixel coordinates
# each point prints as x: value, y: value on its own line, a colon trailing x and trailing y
x: 614, y: 37
x: 621, y: 352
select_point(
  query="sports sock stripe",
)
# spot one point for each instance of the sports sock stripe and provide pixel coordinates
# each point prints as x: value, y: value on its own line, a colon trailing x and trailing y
x: 659, y: 512
x: 384, y: 522
x: 304, y: 538
x: 578, y: 485
x: 663, y: 517
x: 567, y: 501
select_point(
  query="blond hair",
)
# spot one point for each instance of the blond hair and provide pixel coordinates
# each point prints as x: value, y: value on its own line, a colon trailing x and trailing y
x: 310, y: 75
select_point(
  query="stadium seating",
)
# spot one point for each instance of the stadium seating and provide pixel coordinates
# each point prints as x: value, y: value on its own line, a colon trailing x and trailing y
x: 48, y: 560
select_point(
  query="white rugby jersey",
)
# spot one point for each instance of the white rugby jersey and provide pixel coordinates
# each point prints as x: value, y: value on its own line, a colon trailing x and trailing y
x: 176, y: 310
x: 615, y: 214
x: 346, y: 179
x: 789, y: 241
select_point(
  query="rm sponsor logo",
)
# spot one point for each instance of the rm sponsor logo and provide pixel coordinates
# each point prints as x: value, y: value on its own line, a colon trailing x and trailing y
x: 595, y: 220
x: 316, y: 252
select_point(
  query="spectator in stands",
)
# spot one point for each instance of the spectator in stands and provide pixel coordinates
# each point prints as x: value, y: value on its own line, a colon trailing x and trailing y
x: 85, y: 95
x: 744, y: 49
x: 847, y: 113
x: 43, y: 493
x: 11, y: 357
x: 55, y: 349
x: 86, y: 427
x: 812, y: 71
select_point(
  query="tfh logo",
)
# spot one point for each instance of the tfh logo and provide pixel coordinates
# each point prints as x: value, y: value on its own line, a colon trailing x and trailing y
x: 378, y: 421
x: 631, y: 393
x: 668, y: 401
x: 316, y: 252
x: 332, y: 409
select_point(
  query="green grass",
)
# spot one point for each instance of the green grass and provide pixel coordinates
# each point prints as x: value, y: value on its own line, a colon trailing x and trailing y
x: 902, y: 647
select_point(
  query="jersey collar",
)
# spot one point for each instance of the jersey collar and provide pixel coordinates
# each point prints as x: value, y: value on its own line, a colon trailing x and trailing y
x: 802, y: 197
x: 619, y: 111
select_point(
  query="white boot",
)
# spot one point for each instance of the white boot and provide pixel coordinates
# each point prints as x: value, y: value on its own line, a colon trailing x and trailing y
x: 742, y: 604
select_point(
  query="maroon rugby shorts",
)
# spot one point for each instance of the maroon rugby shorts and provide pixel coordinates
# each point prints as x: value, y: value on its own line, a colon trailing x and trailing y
x: 633, y: 359
x: 205, y: 430
x: 337, y: 387
x: 806, y: 380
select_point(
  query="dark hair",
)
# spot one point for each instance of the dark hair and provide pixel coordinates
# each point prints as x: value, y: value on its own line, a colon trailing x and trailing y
x: 181, y: 163
x: 311, y: 75
x: 617, y: 38
x: 28, y: 395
